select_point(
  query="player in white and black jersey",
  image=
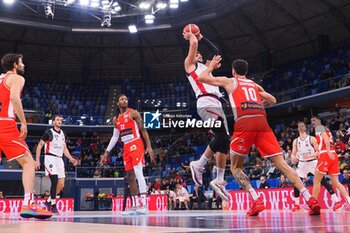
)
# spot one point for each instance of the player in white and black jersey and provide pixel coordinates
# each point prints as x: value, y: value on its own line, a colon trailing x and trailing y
x: 209, y: 107
x: 55, y: 147
x: 305, y: 153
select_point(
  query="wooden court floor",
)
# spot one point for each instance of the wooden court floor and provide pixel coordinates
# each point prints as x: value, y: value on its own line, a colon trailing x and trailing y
x: 180, y: 221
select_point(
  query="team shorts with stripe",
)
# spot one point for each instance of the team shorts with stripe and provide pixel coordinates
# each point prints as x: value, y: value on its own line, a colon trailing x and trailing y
x: 54, y: 166
x: 133, y: 154
x: 327, y: 165
x: 249, y: 130
x: 209, y: 107
x: 10, y: 144
x: 305, y: 168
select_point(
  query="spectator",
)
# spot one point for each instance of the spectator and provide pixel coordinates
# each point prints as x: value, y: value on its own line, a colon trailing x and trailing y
x: 256, y: 172
x: 273, y: 172
x: 283, y: 182
x: 171, y: 197
x: 339, y: 146
x: 182, y: 195
x: 46, y: 194
x: 197, y: 196
x: 1, y: 195
x: 263, y: 184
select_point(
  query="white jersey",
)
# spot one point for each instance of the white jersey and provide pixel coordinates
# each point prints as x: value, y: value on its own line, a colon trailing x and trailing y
x: 200, y: 88
x: 54, y: 142
x: 305, y: 148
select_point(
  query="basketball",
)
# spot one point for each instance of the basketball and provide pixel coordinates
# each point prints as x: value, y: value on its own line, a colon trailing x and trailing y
x: 192, y: 28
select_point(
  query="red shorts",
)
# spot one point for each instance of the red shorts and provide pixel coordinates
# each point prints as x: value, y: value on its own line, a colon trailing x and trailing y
x: 133, y: 154
x: 327, y: 165
x: 10, y: 143
x: 254, y: 130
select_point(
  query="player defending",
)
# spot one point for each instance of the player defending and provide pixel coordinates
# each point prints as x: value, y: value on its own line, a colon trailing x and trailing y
x: 55, y: 147
x: 251, y: 127
x: 11, y: 140
x: 305, y: 153
x: 127, y: 126
x: 208, y: 107
x: 327, y: 161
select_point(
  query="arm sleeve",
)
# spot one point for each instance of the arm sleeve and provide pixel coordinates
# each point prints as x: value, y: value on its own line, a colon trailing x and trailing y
x: 113, y: 140
x: 47, y: 136
x: 213, y: 49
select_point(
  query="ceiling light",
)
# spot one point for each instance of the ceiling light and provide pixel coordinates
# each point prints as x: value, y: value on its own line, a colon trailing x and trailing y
x: 149, y: 19
x: 84, y: 2
x: 9, y: 2
x: 132, y: 28
x: 161, y: 5
x: 95, y: 3
x: 144, y: 5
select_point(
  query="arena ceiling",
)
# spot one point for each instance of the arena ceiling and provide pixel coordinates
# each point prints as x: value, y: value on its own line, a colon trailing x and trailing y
x: 74, y: 38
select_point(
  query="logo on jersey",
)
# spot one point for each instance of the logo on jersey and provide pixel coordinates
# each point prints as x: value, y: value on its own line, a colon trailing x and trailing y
x: 152, y: 120
x: 251, y: 105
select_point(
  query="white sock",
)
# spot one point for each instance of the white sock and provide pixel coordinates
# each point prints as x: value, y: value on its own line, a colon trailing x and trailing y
x: 253, y: 194
x: 202, y: 161
x: 334, y: 198
x: 53, y: 202
x: 28, y: 199
x: 220, y: 174
x: 134, y: 201
x: 143, y: 199
x: 305, y: 194
x: 297, y: 200
x: 58, y: 196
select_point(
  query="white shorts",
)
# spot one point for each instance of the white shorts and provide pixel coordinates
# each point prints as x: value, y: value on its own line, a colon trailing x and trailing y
x: 54, y: 166
x: 211, y: 108
x: 305, y: 168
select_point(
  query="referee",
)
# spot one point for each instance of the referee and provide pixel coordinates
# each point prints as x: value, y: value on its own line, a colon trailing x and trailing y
x: 55, y: 146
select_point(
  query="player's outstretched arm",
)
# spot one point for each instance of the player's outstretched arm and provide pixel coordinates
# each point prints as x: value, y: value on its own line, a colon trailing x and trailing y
x: 190, y: 61
x: 315, y: 146
x: 112, y: 142
x: 294, y: 152
x: 266, y: 96
x: 206, y: 76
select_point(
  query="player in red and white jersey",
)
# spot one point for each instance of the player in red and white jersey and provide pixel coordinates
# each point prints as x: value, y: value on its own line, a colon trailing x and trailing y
x: 305, y: 153
x: 251, y: 127
x: 128, y: 126
x: 11, y: 140
x: 327, y: 161
x: 209, y: 107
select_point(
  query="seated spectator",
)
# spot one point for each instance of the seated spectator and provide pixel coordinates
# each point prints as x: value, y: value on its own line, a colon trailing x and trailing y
x: 46, y: 194
x: 263, y: 184
x: 339, y: 146
x: 217, y: 199
x: 182, y: 196
x: 283, y: 182
x: 256, y: 172
x: 346, y: 179
x: 273, y: 172
x: 157, y: 185
x: 1, y: 195
x: 171, y: 198
x: 199, y: 197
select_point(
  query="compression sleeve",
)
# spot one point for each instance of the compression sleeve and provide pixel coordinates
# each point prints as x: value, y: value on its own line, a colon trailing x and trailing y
x: 212, y: 47
x: 113, y: 140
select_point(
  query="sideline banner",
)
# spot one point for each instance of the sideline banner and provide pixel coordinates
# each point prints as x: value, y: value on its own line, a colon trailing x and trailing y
x: 64, y: 205
x: 155, y: 203
x: 275, y: 199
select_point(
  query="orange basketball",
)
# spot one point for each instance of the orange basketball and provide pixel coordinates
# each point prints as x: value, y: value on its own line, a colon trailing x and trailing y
x: 192, y: 28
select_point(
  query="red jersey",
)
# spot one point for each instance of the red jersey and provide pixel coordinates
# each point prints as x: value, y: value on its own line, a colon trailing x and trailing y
x: 321, y: 144
x: 6, y: 107
x: 128, y: 128
x: 245, y: 99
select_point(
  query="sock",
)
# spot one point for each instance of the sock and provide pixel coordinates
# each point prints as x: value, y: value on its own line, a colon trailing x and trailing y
x: 334, y: 198
x: 49, y: 199
x: 28, y: 199
x: 202, y: 161
x: 297, y: 200
x: 143, y: 199
x: 253, y: 194
x: 58, y: 196
x: 53, y: 202
x: 220, y: 174
x: 134, y: 201
x: 305, y: 194
x: 348, y: 200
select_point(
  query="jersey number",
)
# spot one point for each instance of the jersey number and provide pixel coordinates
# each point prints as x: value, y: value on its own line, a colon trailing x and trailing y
x: 250, y: 94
